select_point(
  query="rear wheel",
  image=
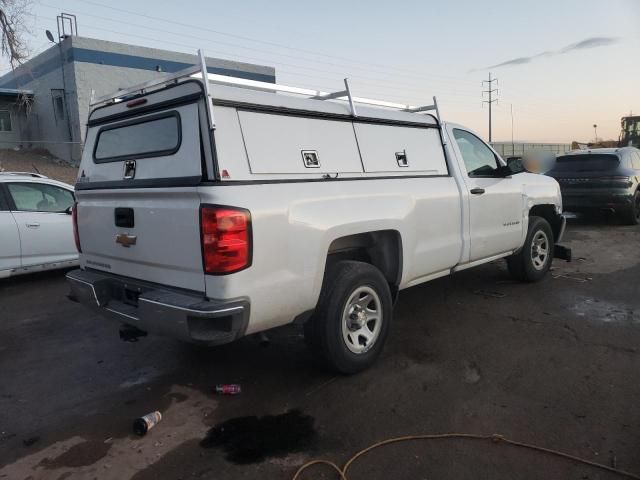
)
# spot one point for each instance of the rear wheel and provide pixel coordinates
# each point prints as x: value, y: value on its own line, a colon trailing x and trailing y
x: 350, y: 325
x: 632, y: 215
x: 534, y: 260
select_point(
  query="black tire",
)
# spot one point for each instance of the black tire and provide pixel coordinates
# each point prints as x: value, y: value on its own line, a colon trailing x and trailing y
x: 324, y: 330
x: 521, y: 265
x: 631, y: 216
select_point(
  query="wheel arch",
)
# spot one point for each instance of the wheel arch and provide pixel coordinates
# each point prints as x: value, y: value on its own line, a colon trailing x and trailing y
x: 549, y: 213
x: 380, y: 248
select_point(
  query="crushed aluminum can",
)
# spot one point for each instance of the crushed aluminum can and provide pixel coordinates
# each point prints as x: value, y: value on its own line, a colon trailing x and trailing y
x: 143, y: 424
x: 231, y: 389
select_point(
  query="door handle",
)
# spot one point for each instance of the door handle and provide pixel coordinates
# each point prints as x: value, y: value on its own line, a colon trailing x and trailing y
x: 477, y: 191
x: 33, y: 225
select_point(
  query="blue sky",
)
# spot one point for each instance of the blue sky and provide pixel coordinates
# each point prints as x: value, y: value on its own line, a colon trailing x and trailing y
x: 408, y: 51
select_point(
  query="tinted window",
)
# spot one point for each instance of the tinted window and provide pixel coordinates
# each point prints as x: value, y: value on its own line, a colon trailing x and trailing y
x: 477, y: 156
x: 156, y: 136
x: 586, y: 163
x: 39, y: 197
x: 3, y: 203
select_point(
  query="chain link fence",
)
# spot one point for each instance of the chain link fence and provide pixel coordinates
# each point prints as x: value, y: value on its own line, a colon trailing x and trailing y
x: 518, y: 149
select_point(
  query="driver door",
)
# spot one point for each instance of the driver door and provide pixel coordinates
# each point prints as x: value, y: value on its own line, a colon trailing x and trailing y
x: 495, y: 201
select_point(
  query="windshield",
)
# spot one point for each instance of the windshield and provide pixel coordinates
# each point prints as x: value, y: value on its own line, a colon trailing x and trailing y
x: 585, y: 163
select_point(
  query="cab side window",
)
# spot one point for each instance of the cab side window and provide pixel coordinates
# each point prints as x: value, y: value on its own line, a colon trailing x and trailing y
x: 39, y: 197
x: 477, y: 156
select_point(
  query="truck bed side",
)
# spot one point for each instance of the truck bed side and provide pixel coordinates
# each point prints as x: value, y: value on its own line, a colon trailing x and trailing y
x: 295, y: 225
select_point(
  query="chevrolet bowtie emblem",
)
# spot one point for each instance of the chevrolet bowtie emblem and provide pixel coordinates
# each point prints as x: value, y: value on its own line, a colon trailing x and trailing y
x: 126, y: 240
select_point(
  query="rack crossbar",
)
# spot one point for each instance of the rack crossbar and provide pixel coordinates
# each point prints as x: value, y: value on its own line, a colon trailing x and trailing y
x: 331, y: 96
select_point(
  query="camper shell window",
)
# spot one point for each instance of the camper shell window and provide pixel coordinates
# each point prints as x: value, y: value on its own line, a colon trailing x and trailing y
x: 150, y: 136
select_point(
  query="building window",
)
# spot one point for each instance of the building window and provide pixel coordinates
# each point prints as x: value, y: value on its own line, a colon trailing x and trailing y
x: 5, y: 121
x: 57, y: 95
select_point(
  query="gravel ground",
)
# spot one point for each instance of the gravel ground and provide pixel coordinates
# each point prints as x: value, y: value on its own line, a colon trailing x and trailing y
x: 37, y: 161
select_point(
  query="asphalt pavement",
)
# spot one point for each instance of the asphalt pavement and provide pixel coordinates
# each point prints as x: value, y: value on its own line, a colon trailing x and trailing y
x: 556, y: 364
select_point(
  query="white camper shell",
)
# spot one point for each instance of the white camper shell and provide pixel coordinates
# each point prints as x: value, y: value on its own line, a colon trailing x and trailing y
x: 208, y: 210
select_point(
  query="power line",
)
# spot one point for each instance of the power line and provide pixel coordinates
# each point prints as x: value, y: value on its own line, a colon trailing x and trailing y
x: 387, y: 71
x: 350, y: 61
x: 368, y: 81
x: 392, y: 84
x: 490, y: 90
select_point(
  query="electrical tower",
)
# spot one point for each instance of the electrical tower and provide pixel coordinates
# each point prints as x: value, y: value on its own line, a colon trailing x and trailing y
x: 491, y: 99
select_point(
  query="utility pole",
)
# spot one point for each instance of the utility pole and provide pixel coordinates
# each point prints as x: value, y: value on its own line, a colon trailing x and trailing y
x: 490, y: 90
x: 513, y: 146
x: 595, y: 130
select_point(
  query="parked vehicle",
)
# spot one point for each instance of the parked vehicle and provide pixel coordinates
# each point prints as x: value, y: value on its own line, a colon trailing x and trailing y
x: 36, y: 231
x: 212, y: 217
x: 601, y: 179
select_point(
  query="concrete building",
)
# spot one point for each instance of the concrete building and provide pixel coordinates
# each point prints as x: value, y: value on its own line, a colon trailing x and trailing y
x: 45, y: 102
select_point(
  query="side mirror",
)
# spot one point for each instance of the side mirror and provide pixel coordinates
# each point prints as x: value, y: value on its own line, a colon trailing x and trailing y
x: 503, y: 171
x: 515, y: 164
x: 69, y: 210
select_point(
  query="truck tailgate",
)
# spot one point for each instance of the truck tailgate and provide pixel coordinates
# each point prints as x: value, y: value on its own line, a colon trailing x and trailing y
x: 163, y: 246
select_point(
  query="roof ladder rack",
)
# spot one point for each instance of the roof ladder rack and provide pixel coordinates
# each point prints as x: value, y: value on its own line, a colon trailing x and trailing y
x: 200, y: 71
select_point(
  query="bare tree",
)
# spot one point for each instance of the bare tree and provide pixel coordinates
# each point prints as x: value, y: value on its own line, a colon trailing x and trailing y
x: 13, y: 22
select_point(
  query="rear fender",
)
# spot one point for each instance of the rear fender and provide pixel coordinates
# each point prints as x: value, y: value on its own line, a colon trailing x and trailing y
x: 365, y: 214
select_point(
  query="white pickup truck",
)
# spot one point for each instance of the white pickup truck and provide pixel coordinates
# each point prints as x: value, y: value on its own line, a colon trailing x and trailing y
x: 212, y: 209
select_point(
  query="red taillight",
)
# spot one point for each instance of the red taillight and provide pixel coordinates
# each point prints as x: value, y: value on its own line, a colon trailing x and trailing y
x: 74, y: 216
x: 226, y: 239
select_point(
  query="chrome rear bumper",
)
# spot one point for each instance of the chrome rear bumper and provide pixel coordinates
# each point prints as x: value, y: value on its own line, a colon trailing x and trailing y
x: 157, y: 309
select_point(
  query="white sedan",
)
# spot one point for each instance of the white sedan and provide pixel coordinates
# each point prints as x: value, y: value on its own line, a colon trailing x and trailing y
x: 36, y: 230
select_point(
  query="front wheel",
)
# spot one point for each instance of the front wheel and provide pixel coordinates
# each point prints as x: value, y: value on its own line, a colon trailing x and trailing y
x: 349, y: 327
x: 533, y: 261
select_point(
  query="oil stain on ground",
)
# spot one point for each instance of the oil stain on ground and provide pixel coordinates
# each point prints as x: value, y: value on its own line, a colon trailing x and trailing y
x: 253, y: 439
